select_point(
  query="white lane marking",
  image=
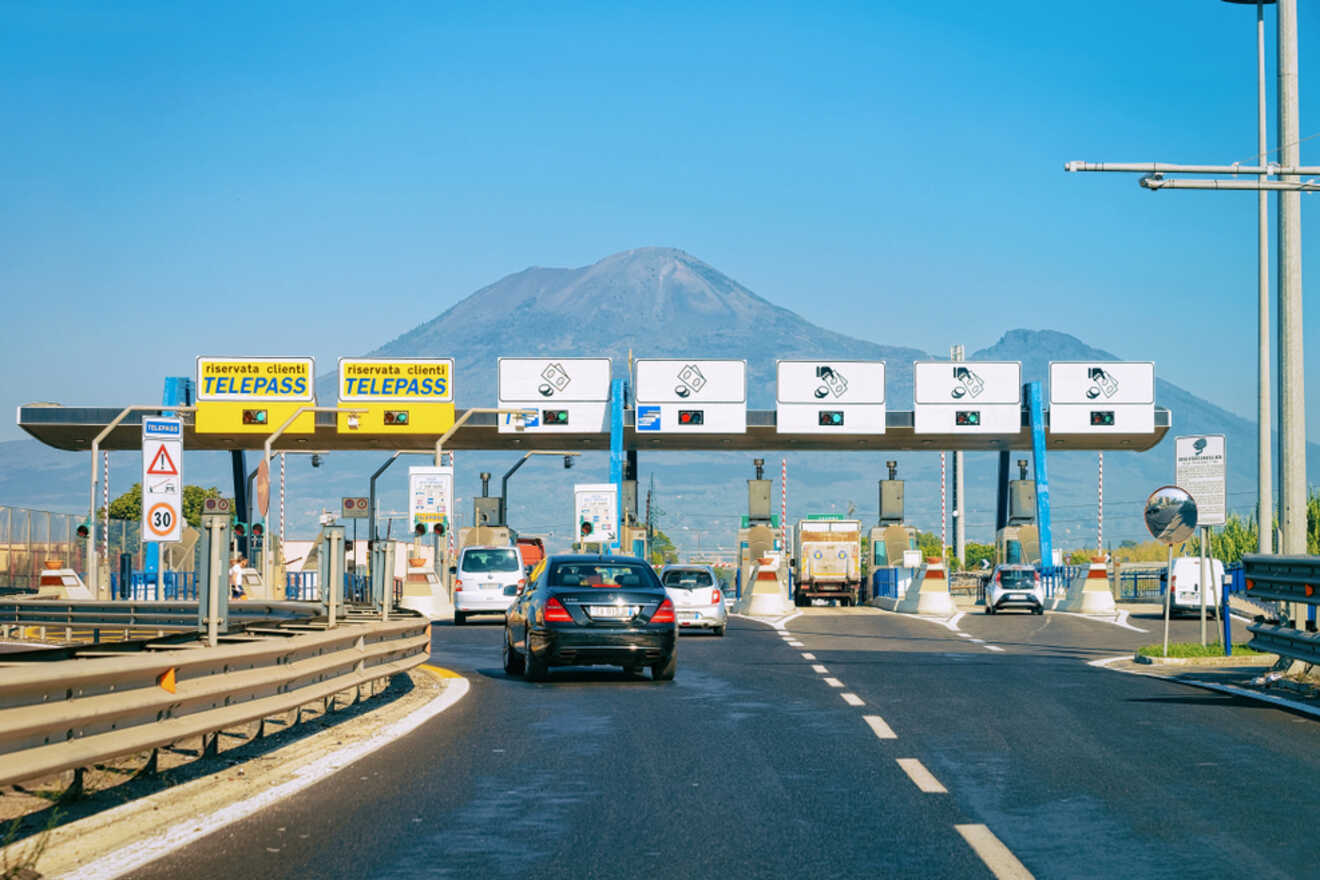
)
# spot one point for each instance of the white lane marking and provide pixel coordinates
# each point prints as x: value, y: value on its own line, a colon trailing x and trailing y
x: 834, y: 682
x: 853, y: 700
x: 807, y: 655
x: 964, y: 635
x: 921, y: 777
x: 1105, y: 661
x: 138, y: 854
x: 819, y: 669
x: 794, y: 644
x: 979, y: 641
x: 997, y: 857
x: 952, y: 622
x: 993, y: 648
x: 1119, y: 619
x: 879, y: 727
x: 784, y: 621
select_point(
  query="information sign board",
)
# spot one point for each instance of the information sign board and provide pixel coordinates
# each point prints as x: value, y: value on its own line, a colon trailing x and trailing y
x: 596, y: 509
x: 162, y: 479
x: 399, y: 395
x: 569, y: 395
x: 1098, y: 397
x: 353, y: 507
x: 1202, y: 470
x: 692, y: 396
x: 254, y: 395
x: 830, y: 397
x: 430, y: 499
x: 967, y: 397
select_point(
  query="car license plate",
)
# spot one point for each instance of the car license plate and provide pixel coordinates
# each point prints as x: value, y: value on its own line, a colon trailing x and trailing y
x: 615, y: 611
x: 689, y: 615
x: 1017, y: 597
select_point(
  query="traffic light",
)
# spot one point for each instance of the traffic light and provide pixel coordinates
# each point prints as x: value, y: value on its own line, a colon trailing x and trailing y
x: 585, y: 528
x: 240, y: 529
x: 316, y: 460
x: 692, y: 417
x: 254, y: 417
x: 830, y: 418
x: 439, y: 528
x: 396, y: 417
x: 84, y: 529
x: 967, y: 417
x: 554, y: 417
x: 419, y: 529
x: 258, y: 530
x: 1102, y: 418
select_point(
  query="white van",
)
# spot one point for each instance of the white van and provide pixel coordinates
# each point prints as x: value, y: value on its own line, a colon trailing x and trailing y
x: 1187, y: 585
x: 486, y: 580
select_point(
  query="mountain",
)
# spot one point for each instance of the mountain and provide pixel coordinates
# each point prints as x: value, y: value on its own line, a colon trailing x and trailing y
x: 663, y: 302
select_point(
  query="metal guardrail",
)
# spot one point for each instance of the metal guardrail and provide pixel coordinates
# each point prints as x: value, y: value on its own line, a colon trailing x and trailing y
x: 1284, y: 579
x: 68, y: 714
x: 120, y: 615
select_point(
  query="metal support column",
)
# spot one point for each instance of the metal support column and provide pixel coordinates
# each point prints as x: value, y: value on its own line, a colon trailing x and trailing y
x: 1001, y: 496
x: 1036, y: 411
x: 616, y: 454
x: 240, y: 496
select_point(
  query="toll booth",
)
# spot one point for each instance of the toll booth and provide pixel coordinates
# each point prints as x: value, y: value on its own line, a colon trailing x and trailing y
x: 1018, y: 541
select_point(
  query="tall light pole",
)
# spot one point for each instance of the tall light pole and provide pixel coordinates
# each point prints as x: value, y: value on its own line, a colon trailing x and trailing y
x: 1292, y: 404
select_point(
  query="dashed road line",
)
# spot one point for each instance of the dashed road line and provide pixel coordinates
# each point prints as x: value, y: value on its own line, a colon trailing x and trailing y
x: 921, y: 777
x: 979, y: 641
x: 879, y: 727
x: 834, y: 682
x: 807, y: 655
x: 993, y: 648
x: 963, y: 635
x: 853, y: 700
x: 997, y: 857
x: 794, y: 644
x: 819, y: 669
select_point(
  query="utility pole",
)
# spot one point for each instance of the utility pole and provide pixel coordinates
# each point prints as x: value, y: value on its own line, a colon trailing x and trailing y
x: 1288, y: 183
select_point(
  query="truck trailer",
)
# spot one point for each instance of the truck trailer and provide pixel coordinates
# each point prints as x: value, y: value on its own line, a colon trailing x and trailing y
x: 827, y: 560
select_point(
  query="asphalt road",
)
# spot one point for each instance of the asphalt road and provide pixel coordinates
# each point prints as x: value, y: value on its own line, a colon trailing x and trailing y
x: 753, y: 764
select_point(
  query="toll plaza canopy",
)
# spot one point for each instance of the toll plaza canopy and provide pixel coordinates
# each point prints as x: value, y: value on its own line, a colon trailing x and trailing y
x: 74, y: 428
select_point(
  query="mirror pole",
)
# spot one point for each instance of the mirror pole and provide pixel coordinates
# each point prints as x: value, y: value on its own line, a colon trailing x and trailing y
x: 1168, y: 596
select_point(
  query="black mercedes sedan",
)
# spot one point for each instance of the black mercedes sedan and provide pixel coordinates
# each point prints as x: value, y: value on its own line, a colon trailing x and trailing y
x: 591, y: 611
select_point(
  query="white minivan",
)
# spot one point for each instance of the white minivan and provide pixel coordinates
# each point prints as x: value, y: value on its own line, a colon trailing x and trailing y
x: 1187, y: 585
x: 486, y: 581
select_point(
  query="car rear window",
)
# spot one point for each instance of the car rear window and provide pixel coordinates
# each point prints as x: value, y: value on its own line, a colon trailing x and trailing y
x: 498, y: 559
x: 687, y: 580
x: 606, y: 575
x: 1011, y: 578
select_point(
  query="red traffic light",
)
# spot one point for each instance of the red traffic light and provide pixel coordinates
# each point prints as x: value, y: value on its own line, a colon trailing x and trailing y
x: 240, y: 529
x: 419, y: 529
x: 438, y: 528
x: 585, y: 528
x: 692, y: 417
x: 258, y: 530
x: 83, y: 530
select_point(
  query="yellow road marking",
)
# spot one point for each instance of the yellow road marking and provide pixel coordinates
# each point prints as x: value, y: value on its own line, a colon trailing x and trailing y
x: 922, y: 777
x: 997, y: 857
x: 440, y: 671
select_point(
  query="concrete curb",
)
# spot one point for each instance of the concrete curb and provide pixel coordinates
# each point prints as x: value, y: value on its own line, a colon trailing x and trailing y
x: 199, y: 808
x: 1115, y: 664
x: 1252, y: 660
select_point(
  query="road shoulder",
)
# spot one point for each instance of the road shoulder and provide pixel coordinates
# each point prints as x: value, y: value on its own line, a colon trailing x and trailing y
x: 115, y: 841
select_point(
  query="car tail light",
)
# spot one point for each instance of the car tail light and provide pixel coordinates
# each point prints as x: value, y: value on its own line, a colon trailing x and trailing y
x: 458, y: 586
x: 664, y: 614
x: 522, y: 582
x: 998, y: 577
x: 555, y: 612
x: 715, y: 597
x: 1173, y: 582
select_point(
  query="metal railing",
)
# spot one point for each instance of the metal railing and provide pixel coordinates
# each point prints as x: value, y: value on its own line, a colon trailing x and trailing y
x: 305, y: 586
x: 163, y: 586
x: 90, y: 621
x: 1289, y: 581
x: 28, y: 538
x: 72, y: 713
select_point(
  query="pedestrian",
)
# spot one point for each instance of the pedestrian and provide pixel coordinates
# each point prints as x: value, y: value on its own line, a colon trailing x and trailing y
x: 236, y: 578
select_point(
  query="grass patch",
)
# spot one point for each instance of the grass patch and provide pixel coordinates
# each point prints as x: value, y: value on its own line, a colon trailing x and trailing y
x: 1196, y: 649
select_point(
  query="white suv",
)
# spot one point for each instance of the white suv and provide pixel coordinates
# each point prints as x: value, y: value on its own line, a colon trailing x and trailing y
x: 486, y: 580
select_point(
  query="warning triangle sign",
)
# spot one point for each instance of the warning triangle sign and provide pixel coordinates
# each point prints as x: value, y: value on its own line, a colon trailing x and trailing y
x: 162, y: 465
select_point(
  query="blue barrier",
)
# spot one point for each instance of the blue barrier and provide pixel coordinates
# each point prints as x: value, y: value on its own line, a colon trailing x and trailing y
x: 884, y: 583
x: 304, y: 586
x: 160, y: 587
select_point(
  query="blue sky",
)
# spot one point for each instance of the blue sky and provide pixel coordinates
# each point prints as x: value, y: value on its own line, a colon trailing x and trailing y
x: 319, y: 177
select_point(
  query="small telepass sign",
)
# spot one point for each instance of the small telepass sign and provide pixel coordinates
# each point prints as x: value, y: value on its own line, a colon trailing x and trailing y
x: 162, y: 479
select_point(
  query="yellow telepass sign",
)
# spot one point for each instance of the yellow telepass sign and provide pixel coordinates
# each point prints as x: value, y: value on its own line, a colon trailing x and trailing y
x: 254, y: 395
x: 399, y: 395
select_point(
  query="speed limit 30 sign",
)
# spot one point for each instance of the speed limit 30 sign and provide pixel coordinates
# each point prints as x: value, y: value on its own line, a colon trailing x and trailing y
x: 162, y: 479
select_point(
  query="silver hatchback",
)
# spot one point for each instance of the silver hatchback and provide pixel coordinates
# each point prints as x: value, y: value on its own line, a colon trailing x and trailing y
x: 697, y: 597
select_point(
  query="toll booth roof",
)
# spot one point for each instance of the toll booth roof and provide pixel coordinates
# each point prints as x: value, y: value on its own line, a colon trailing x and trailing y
x: 74, y: 429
